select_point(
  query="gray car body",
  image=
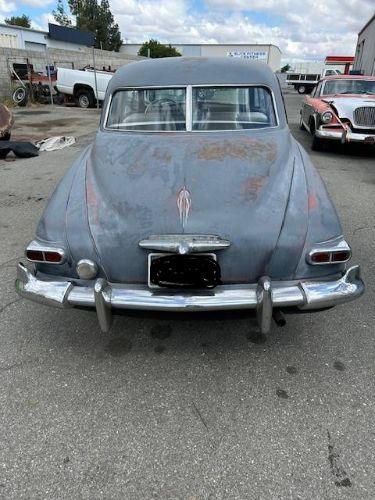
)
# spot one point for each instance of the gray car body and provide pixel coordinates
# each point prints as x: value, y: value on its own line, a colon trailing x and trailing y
x: 256, y: 188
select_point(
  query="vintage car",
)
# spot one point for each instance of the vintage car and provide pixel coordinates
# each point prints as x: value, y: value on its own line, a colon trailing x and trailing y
x: 194, y: 196
x: 341, y: 108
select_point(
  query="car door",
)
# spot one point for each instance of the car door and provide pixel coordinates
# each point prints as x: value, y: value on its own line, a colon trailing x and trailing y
x: 308, y: 104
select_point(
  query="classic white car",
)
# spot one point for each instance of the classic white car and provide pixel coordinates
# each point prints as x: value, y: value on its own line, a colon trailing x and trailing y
x: 341, y: 108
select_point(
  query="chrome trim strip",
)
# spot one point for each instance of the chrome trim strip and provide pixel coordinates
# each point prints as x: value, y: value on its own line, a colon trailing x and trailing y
x: 263, y: 296
x: 184, y: 243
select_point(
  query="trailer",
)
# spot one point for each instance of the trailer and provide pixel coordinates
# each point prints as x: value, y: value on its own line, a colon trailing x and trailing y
x: 305, y: 82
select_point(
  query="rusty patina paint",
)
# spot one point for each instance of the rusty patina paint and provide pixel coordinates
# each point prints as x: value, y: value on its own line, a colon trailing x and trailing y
x: 312, y: 201
x: 251, y: 187
x: 162, y: 155
x: 246, y: 149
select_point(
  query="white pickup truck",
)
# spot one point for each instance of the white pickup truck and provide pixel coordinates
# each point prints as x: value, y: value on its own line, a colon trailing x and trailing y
x: 305, y: 82
x: 80, y: 84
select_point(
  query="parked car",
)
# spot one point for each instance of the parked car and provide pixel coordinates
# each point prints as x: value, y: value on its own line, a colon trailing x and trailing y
x: 193, y: 197
x: 81, y: 85
x: 341, y: 108
x: 305, y: 82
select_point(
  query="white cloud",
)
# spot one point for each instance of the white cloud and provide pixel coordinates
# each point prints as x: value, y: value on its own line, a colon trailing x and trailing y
x: 308, y: 30
x: 6, y: 7
x: 35, y: 3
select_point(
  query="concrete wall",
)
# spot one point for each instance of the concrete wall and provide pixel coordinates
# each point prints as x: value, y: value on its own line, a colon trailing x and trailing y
x: 270, y: 54
x: 365, y: 52
x: 56, y: 57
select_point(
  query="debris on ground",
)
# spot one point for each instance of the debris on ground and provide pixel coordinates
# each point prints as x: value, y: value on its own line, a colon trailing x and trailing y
x: 19, y: 148
x: 54, y: 143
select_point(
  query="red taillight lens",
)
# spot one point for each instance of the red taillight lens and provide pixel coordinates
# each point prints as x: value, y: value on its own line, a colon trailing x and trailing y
x: 50, y: 256
x: 341, y: 256
x: 35, y: 255
x: 54, y: 257
x: 320, y: 257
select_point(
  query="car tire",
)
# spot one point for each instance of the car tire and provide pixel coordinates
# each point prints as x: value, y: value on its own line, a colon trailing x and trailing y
x: 301, y: 89
x: 85, y: 99
x: 20, y: 96
x: 317, y: 144
x: 5, y: 137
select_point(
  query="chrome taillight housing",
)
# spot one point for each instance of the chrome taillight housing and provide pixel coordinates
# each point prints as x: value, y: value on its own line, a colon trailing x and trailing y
x: 329, y: 252
x: 40, y: 252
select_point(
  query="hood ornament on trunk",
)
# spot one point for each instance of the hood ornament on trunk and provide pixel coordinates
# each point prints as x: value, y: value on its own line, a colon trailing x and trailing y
x: 184, y: 204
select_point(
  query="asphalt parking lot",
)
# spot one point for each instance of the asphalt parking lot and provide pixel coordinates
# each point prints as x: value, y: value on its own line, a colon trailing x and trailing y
x: 186, y: 408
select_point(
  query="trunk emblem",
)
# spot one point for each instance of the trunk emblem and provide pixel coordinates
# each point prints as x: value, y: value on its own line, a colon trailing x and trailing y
x: 184, y: 204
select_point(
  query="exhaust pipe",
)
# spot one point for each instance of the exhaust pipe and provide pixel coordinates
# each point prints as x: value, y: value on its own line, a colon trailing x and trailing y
x: 278, y: 317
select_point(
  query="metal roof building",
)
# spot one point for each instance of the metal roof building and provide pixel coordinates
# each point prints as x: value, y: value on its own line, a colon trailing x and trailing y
x: 268, y: 53
x: 365, y: 52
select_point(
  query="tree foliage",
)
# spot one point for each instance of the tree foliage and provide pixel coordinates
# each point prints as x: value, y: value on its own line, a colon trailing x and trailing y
x: 61, y: 17
x: 155, y: 49
x: 23, y: 21
x: 94, y: 17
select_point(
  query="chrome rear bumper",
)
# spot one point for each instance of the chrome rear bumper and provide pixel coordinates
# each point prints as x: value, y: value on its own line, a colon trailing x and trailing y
x: 263, y: 296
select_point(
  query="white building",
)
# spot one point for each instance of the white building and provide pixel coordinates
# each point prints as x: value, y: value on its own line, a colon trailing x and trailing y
x: 17, y: 37
x: 268, y: 53
x: 365, y: 52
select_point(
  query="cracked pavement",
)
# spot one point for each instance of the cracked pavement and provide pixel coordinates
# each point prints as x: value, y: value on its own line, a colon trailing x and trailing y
x: 186, y: 407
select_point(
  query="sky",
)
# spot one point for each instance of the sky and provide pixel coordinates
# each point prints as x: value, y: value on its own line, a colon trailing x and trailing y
x: 303, y: 29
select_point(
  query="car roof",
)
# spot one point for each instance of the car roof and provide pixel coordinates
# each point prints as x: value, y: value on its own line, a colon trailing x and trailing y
x: 192, y: 71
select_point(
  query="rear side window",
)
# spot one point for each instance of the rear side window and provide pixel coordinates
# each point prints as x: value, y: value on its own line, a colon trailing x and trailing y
x: 232, y: 108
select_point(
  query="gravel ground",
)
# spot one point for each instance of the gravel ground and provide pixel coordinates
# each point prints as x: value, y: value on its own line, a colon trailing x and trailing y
x: 185, y: 407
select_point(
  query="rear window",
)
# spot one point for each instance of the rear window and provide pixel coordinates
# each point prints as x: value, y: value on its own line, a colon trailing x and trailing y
x: 232, y: 108
x: 210, y: 108
x: 148, y: 110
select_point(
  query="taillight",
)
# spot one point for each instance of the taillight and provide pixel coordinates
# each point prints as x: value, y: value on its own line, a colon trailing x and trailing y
x: 34, y: 255
x: 317, y: 257
x: 342, y: 256
x: 320, y: 257
x: 37, y: 252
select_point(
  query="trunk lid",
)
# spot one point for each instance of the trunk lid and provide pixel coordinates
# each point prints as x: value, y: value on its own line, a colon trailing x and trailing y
x: 235, y: 185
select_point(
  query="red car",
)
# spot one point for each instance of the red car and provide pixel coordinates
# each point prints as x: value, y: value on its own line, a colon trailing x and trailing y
x: 340, y: 108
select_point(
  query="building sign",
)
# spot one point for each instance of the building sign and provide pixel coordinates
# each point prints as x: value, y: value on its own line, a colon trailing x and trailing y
x: 249, y: 54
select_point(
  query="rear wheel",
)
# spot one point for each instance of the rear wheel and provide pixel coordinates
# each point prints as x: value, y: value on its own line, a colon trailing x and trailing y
x: 85, y: 99
x: 301, y: 89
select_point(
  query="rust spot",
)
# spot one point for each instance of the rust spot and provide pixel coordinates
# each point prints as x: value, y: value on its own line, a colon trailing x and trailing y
x: 91, y: 198
x: 245, y: 149
x: 251, y: 187
x: 162, y: 155
x: 312, y: 202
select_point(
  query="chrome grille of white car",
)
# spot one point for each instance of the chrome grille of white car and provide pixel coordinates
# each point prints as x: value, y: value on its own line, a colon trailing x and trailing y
x: 365, y: 116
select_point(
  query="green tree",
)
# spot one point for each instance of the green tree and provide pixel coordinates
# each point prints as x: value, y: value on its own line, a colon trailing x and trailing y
x: 155, y: 49
x: 98, y: 19
x: 285, y: 68
x: 23, y: 21
x: 61, y: 17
